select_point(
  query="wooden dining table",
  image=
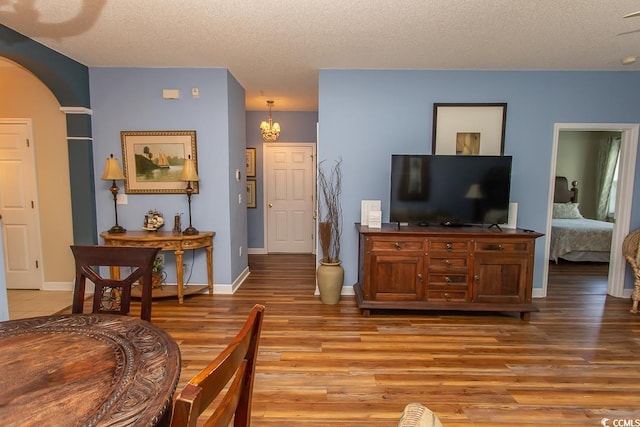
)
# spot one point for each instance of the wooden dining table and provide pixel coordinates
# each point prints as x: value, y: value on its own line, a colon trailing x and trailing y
x: 86, y: 370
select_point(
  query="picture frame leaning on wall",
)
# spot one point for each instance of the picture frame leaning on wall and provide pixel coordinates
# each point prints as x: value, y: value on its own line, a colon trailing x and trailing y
x: 469, y: 128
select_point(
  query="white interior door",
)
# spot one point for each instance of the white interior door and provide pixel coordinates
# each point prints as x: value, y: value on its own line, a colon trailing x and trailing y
x: 18, y: 206
x: 289, y: 197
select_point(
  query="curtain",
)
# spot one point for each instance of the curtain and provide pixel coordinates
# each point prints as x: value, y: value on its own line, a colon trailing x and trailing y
x: 607, y: 161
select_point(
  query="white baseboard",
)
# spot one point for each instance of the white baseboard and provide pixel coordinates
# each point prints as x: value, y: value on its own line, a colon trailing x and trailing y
x: 58, y: 286
x: 538, y: 293
x: 218, y: 288
x: 256, y: 251
x: 226, y: 288
x: 346, y: 290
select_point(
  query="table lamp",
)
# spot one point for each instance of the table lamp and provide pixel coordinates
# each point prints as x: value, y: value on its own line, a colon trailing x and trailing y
x: 189, y: 174
x: 113, y: 172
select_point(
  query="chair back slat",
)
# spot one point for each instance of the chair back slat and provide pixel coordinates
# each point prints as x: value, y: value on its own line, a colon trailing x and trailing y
x: 235, y: 368
x: 113, y: 295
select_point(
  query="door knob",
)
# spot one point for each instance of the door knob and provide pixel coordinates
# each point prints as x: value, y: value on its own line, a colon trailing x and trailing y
x: 270, y: 205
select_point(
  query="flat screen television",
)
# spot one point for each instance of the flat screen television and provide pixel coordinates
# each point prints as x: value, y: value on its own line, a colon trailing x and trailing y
x: 450, y: 190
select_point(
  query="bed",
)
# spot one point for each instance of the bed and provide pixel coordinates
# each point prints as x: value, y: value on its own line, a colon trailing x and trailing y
x: 573, y: 237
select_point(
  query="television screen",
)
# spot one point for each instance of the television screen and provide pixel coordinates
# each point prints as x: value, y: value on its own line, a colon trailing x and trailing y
x: 451, y: 190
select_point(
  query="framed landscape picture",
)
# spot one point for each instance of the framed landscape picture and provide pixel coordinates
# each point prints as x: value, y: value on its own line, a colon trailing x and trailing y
x: 153, y: 160
x: 469, y: 129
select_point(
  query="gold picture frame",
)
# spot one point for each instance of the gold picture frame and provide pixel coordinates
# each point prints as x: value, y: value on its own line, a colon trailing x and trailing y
x: 152, y: 160
x: 251, y: 193
x: 469, y: 129
x: 251, y: 162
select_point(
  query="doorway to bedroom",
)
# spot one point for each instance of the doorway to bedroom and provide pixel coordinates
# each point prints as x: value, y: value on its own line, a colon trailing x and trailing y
x: 590, y: 204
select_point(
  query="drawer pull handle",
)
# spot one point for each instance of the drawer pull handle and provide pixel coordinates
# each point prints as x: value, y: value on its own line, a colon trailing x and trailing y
x: 398, y: 245
x: 447, y: 279
x: 448, y: 263
x: 500, y: 247
x: 447, y: 297
x: 419, y: 276
x: 476, y: 278
x: 449, y: 246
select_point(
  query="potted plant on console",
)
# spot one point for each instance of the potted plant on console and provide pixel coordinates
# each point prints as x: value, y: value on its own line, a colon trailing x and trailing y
x: 330, y: 274
x: 157, y: 272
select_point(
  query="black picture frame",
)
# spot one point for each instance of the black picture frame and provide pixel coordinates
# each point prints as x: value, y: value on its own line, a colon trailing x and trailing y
x: 477, y: 127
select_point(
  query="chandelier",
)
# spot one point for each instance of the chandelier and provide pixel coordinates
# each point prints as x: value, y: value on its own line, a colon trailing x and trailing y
x: 270, y: 130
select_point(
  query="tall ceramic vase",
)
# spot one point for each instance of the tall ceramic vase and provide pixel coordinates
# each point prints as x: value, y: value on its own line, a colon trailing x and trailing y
x: 330, y: 278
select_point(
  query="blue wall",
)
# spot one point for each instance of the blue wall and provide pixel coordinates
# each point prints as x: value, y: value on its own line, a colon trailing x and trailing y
x: 365, y: 116
x: 236, y: 161
x: 297, y: 126
x: 131, y: 99
x: 68, y: 80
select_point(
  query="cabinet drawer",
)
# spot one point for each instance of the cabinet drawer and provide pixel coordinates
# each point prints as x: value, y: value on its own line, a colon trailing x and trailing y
x: 448, y: 296
x: 452, y: 263
x: 502, y: 246
x: 446, y: 281
x: 397, y: 245
x: 448, y: 246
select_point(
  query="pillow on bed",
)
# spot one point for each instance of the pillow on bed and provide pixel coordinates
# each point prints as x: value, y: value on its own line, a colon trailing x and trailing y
x: 566, y: 211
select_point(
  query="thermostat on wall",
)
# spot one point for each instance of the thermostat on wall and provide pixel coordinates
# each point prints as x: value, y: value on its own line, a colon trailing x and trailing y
x: 170, y: 94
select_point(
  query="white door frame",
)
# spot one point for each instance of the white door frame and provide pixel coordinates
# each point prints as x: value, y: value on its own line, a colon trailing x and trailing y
x: 265, y: 166
x: 624, y: 198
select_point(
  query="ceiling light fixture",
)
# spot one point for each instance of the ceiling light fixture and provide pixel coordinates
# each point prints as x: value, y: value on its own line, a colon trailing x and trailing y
x: 270, y: 130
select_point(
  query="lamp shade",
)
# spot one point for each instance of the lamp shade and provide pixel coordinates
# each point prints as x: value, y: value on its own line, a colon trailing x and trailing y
x: 112, y: 170
x: 189, y: 170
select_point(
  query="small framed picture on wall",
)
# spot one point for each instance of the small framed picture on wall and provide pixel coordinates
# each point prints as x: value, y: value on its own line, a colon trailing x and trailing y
x: 251, y: 193
x: 251, y: 162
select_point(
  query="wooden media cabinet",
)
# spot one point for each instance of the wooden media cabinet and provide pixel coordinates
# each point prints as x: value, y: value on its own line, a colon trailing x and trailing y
x: 445, y: 268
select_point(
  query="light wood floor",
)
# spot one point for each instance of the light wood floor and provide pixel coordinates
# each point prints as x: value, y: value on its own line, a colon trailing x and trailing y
x: 577, y: 361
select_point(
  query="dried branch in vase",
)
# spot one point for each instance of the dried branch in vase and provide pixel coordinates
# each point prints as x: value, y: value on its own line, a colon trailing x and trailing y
x: 330, y: 226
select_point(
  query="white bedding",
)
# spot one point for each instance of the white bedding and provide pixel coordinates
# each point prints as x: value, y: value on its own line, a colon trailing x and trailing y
x: 580, y: 240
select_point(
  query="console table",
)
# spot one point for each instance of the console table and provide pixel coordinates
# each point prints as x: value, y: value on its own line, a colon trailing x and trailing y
x: 445, y: 268
x: 168, y: 241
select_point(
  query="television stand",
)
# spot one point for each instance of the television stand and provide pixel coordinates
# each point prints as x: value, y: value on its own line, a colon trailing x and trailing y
x: 445, y: 269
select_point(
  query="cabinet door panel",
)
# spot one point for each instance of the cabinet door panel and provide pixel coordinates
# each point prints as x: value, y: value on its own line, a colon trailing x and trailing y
x: 499, y: 279
x: 397, y: 277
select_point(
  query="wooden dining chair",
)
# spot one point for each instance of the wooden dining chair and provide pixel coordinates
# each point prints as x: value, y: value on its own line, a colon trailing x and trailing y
x: 113, y: 295
x: 235, y: 368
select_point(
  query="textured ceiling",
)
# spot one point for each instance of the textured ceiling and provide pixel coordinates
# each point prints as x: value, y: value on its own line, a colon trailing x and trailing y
x: 275, y: 48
